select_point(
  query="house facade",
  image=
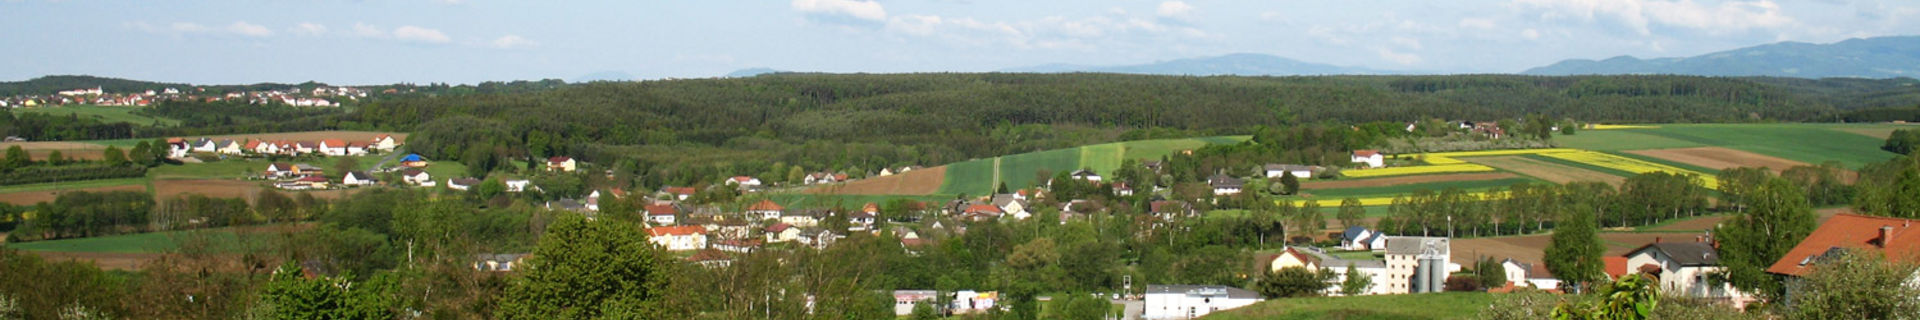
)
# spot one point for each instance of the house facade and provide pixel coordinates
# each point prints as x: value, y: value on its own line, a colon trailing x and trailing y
x: 1188, y: 302
x: 1371, y: 158
x: 1417, y: 264
x: 1683, y: 269
x: 678, y: 238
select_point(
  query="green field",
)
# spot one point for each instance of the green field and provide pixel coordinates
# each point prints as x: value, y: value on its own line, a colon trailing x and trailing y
x: 1020, y: 170
x: 1389, y: 191
x: 242, y: 167
x: 72, y: 185
x: 103, y: 113
x: 1804, y: 142
x: 130, y: 243
x: 1449, y: 305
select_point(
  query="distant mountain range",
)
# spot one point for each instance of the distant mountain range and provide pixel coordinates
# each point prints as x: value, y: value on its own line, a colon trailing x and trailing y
x: 1243, y: 64
x: 1883, y: 57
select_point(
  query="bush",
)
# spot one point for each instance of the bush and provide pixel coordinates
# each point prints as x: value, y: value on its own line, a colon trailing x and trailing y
x: 1464, y: 283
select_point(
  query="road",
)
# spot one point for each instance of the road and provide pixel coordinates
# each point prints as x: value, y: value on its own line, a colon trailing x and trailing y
x: 383, y: 160
x: 1133, y: 308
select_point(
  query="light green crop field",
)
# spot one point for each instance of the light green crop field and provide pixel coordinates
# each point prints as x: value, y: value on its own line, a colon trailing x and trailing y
x: 1809, y: 143
x: 103, y: 113
x: 1389, y: 191
x: 1449, y: 305
x: 1019, y: 170
x: 73, y: 185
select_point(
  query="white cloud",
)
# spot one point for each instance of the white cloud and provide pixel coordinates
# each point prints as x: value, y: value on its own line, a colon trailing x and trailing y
x: 189, y: 27
x: 1530, y: 34
x: 511, y: 41
x: 413, y: 33
x: 1400, y: 58
x: 1640, y: 15
x: 1174, y: 9
x: 1476, y: 23
x: 309, y: 28
x: 369, y: 31
x: 248, y: 29
x: 860, y: 9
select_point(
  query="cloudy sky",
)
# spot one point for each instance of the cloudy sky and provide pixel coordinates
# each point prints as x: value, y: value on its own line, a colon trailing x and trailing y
x: 468, y: 41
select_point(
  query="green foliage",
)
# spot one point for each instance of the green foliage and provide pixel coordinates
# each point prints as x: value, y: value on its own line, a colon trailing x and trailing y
x: 1350, y: 212
x: 114, y: 157
x: 1891, y: 188
x: 86, y: 214
x: 1356, y: 283
x: 55, y: 158
x: 1902, y: 141
x: 1574, y: 253
x: 1290, y: 184
x: 1080, y: 306
x: 589, y: 269
x: 1293, y: 282
x: 1630, y: 298
x: 1490, y: 272
x: 1445, y: 305
x: 16, y: 158
x: 1777, y: 218
x: 42, y: 290
x: 69, y: 173
x: 1856, y: 284
x: 293, y: 296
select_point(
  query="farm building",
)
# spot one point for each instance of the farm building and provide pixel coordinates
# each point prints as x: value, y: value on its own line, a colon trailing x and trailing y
x: 1371, y: 158
x: 1188, y: 302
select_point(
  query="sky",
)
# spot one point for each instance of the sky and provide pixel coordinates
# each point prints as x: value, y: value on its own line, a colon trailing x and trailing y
x: 355, y: 42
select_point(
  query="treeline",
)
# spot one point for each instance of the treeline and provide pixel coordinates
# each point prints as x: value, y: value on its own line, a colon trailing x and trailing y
x: 41, y: 126
x: 677, y: 131
x: 71, y: 173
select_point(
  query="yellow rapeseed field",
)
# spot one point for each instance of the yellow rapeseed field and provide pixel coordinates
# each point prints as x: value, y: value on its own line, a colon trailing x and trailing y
x: 1610, y: 161
x: 1401, y: 171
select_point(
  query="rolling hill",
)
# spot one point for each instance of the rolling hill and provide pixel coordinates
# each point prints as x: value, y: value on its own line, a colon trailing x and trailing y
x: 1882, y: 57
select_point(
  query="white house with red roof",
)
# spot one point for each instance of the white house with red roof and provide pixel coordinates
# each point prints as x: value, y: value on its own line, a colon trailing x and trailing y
x: 661, y: 214
x: 743, y: 181
x: 1372, y: 158
x: 333, y: 147
x: 765, y: 209
x: 384, y: 143
x: 678, y: 238
x: 781, y: 232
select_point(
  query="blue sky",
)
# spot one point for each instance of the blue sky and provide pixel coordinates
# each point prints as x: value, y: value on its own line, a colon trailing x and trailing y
x: 468, y: 41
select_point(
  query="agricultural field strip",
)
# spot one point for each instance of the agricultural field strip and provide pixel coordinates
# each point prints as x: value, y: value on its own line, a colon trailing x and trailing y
x: 1441, y: 162
x: 1611, y: 161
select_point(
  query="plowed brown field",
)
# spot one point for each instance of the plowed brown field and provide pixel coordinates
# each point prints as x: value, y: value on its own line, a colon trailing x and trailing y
x: 69, y: 150
x: 917, y: 182
x: 1718, y: 158
x: 27, y: 198
x: 1557, y: 173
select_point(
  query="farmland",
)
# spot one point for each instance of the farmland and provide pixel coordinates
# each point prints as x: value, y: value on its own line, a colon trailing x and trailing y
x: 980, y: 176
x: 917, y: 182
x: 1720, y: 158
x: 1449, y: 305
x: 107, y: 114
x: 69, y: 150
x: 1552, y: 172
x: 1807, y: 143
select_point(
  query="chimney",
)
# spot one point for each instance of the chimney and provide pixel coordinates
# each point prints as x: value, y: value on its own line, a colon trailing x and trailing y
x: 1886, y: 235
x: 1700, y: 238
x: 1656, y: 239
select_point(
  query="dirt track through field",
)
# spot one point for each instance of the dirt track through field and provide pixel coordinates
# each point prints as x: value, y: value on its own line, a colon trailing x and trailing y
x: 27, y: 198
x: 1718, y: 158
x: 1557, y: 173
x: 1394, y: 181
x: 917, y: 182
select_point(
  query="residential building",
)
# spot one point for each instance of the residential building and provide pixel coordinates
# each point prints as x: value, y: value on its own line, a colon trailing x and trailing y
x: 1361, y: 238
x: 519, y: 185
x: 563, y: 164
x: 505, y: 262
x: 678, y: 238
x: 1897, y: 240
x: 417, y: 177
x: 356, y: 178
x: 462, y: 184
x: 764, y: 210
x: 905, y: 300
x: 1224, y: 185
x: 662, y: 214
x: 1189, y: 302
x: 1085, y: 175
x: 1017, y: 208
x: 1275, y: 171
x: 1683, y: 269
x: 1418, y: 264
x: 1371, y: 158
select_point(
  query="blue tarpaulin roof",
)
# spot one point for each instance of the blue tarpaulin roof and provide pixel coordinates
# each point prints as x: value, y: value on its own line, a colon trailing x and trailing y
x: 413, y: 157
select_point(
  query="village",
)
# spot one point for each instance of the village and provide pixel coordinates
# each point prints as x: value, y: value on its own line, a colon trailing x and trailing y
x: 317, y: 97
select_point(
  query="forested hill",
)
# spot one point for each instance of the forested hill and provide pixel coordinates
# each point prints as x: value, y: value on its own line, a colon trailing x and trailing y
x: 1247, y: 64
x: 867, y: 121
x: 53, y: 84
x: 1882, y: 57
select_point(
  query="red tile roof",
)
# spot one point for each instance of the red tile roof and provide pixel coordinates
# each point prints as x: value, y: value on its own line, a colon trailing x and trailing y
x: 778, y: 227
x: 1616, y: 266
x: 1852, y: 231
x: 870, y: 208
x: 676, y: 231
x: 983, y: 208
x: 558, y: 160
x: 680, y: 190
x: 661, y: 210
x: 335, y: 143
x: 1365, y: 153
x: 313, y: 179
x: 765, y: 205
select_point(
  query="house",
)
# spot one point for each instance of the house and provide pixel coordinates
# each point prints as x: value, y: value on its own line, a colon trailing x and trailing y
x: 905, y: 300
x: 824, y: 178
x: 1361, y: 238
x: 312, y: 182
x: 817, y: 238
x: 738, y: 245
x: 229, y: 147
x: 1521, y: 274
x: 262, y: 147
x: 1683, y: 269
x: 1370, y: 157
x: 1166, y: 209
x: 1188, y: 302
x: 1122, y: 189
x: 1085, y: 175
x: 1292, y: 258
x: 679, y: 193
x: 279, y: 170
x: 177, y: 147
x: 982, y: 212
x: 333, y: 147
x: 519, y: 185
x: 1224, y: 185
x: 356, y: 178
x: 1898, y: 240
x: 413, y: 161
x: 743, y: 182
x: 678, y: 238
x: 764, y: 210
x: 864, y: 218
x: 969, y: 301
x: 568, y: 205
x: 1017, y: 208
x: 417, y: 177
x: 562, y: 164
x: 205, y: 145
x: 504, y: 262
x: 1299, y: 171
x: 462, y: 184
x: 803, y: 218
x: 1418, y: 264
x: 304, y: 147
x: 356, y: 149
x: 710, y: 259
x: 781, y: 232
x: 661, y: 214
x: 1374, y: 269
x: 384, y: 143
